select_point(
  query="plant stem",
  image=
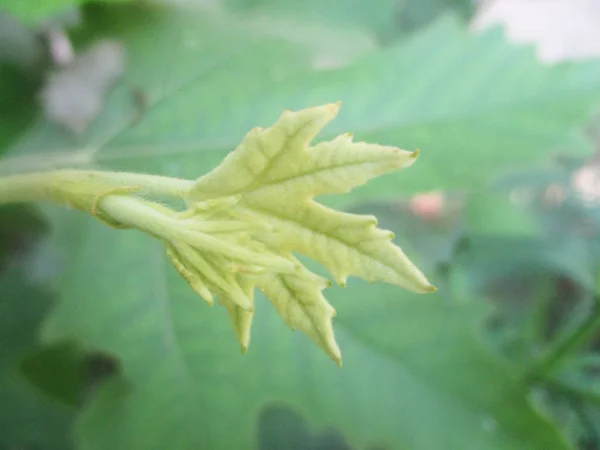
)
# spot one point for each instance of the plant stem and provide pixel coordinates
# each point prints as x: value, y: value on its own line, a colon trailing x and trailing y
x: 47, y: 186
x: 567, y: 346
x: 134, y: 212
x: 578, y: 399
x: 575, y: 392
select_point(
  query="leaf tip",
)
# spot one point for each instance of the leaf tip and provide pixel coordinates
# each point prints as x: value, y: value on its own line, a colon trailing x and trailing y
x: 338, y: 359
x: 242, y: 301
x: 332, y: 109
x: 429, y: 289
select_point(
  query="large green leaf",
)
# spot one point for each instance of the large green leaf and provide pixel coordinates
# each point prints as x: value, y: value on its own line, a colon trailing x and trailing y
x: 378, y: 19
x: 384, y: 19
x: 476, y: 106
x: 416, y: 13
x: 414, y: 376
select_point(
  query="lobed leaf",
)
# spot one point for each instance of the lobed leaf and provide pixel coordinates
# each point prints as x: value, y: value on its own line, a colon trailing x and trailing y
x: 275, y: 174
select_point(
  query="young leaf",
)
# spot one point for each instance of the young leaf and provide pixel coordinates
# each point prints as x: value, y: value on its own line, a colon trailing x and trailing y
x: 247, y: 217
x: 274, y: 174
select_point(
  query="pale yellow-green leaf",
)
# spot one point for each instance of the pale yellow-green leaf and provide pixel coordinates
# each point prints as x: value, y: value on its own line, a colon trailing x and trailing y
x: 193, y: 278
x: 300, y: 303
x: 208, y: 272
x: 277, y: 175
x: 274, y: 175
x: 241, y: 319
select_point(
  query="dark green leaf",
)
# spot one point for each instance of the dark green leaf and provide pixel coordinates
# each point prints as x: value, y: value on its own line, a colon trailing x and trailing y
x: 35, y: 10
x: 27, y: 419
x: 58, y: 370
x: 21, y: 64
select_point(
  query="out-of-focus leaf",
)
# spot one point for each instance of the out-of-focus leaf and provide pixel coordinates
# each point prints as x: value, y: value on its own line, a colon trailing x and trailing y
x: 58, y: 370
x: 472, y: 120
x: 383, y: 19
x: 21, y: 47
x: 21, y: 62
x: 20, y: 229
x: 27, y: 419
x: 564, y: 200
x: 493, y: 258
x: 35, y: 10
x: 414, y: 14
x: 185, y: 373
x: 495, y: 214
x: 376, y: 18
x: 280, y: 427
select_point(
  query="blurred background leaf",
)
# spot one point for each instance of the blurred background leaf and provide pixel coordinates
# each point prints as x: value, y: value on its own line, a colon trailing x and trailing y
x: 27, y: 419
x: 473, y: 121
x: 413, y: 14
x: 21, y: 64
x: 414, y: 374
x: 385, y: 20
x: 34, y: 10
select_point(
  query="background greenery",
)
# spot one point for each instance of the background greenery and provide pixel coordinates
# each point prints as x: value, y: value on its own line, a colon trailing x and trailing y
x: 103, y: 346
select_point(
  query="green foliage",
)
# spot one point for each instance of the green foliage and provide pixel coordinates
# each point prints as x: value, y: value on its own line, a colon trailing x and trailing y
x: 475, y: 120
x: 21, y: 61
x: 176, y: 352
x: 379, y: 22
x: 414, y: 14
x: 419, y: 372
x: 26, y: 418
x: 35, y: 10
x: 385, y: 22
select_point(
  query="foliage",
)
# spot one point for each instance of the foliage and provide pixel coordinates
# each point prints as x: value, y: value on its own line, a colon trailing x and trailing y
x: 35, y: 10
x: 25, y: 418
x: 511, y: 245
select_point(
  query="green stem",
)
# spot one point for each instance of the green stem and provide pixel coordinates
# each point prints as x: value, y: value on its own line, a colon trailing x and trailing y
x: 578, y: 399
x: 51, y: 186
x: 136, y: 213
x: 575, y: 392
x: 567, y: 346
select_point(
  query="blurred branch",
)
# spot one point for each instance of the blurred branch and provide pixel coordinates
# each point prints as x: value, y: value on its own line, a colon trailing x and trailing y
x: 572, y: 391
x: 567, y: 346
x: 578, y: 398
